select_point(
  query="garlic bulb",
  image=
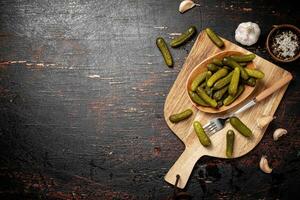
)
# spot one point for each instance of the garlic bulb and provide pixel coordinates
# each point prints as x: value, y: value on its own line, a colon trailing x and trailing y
x: 247, y: 33
x: 264, y: 121
x: 264, y: 165
x: 186, y: 5
x: 278, y: 133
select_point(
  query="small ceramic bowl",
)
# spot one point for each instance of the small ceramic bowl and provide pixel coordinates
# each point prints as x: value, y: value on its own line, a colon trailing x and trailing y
x: 273, y: 32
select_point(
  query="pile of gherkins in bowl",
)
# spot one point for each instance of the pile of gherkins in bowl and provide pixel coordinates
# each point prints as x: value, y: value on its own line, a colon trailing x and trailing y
x: 223, y: 81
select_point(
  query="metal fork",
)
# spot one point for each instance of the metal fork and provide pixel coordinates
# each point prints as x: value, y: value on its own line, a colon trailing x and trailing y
x: 216, y: 124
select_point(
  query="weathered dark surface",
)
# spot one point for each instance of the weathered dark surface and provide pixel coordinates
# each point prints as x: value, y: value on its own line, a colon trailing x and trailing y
x: 82, y: 89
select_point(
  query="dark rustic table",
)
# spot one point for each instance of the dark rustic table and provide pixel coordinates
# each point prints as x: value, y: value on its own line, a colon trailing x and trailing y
x: 82, y: 90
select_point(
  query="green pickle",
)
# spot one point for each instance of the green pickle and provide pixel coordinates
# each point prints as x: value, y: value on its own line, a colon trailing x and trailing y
x: 255, y: 73
x: 233, y: 64
x: 229, y: 99
x: 203, y: 85
x: 212, y: 67
x: 175, y: 118
x: 162, y: 46
x: 214, y: 37
x: 229, y: 143
x: 234, y: 83
x: 200, y: 91
x: 243, y: 58
x: 220, y: 93
x: 217, y: 62
x: 198, y: 80
x: 240, y: 127
x: 208, y: 75
x: 222, y: 82
x: 216, y: 76
x: 207, y: 89
x: 203, y: 138
x: 195, y: 98
x: 251, y: 82
x: 183, y: 38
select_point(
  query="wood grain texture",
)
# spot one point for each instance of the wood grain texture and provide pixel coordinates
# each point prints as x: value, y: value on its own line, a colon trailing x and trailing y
x: 178, y: 100
x: 82, y: 92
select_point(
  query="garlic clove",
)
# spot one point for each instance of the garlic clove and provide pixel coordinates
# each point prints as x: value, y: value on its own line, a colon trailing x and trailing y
x: 263, y: 121
x: 264, y: 165
x: 278, y: 133
x: 186, y: 5
x: 247, y: 33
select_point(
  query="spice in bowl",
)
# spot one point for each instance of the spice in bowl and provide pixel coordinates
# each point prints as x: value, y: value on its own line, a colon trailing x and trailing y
x: 283, y: 43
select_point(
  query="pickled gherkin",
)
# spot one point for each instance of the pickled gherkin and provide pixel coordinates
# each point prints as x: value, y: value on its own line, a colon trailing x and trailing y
x: 214, y: 37
x: 255, y: 73
x: 208, y: 75
x: 203, y: 85
x: 234, y: 64
x: 222, y: 82
x: 198, y: 80
x: 183, y: 38
x: 243, y: 58
x: 216, y: 76
x: 240, y: 126
x: 234, y: 83
x: 196, y: 99
x: 175, y: 118
x: 251, y: 81
x: 217, y: 62
x: 206, y: 98
x: 229, y: 99
x: 162, y: 46
x: 212, y: 67
x: 220, y: 93
x: 203, y: 138
x: 207, y: 89
x: 229, y: 143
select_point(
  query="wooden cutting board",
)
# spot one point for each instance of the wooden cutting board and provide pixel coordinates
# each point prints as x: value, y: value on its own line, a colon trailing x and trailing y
x: 177, y: 101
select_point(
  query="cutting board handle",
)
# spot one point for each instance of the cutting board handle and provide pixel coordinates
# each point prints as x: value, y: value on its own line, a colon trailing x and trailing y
x: 281, y: 82
x: 183, y: 167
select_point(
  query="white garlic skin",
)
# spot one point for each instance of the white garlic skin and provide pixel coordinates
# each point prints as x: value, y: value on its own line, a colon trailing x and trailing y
x: 186, y: 5
x: 278, y: 133
x: 263, y: 121
x: 247, y: 33
x: 264, y: 165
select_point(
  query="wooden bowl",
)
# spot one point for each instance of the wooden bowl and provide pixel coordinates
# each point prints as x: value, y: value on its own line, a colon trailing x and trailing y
x: 203, y: 66
x: 274, y: 31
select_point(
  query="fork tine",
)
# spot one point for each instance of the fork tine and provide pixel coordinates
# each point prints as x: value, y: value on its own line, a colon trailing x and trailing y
x: 214, y: 125
x: 212, y: 132
x: 211, y: 127
x: 207, y: 129
x: 208, y: 125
